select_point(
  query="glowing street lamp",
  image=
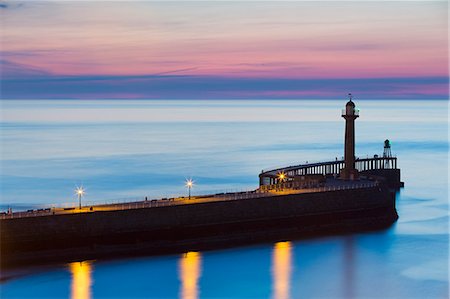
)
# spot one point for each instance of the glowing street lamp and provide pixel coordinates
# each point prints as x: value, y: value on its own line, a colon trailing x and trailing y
x: 189, y: 184
x: 282, y: 177
x: 80, y: 192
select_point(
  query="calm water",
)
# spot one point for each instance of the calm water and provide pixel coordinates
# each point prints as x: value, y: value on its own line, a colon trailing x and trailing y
x: 125, y: 150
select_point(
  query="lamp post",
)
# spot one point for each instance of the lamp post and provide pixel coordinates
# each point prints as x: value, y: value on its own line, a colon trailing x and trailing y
x: 80, y: 192
x: 189, y: 184
x: 281, y: 179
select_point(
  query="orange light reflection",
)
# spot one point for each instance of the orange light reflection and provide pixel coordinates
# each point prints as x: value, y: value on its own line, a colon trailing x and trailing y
x: 81, y: 280
x: 281, y: 270
x: 189, y: 273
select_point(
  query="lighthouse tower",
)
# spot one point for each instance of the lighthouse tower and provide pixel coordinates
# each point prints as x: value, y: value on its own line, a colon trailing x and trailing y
x: 387, y: 153
x: 349, y: 114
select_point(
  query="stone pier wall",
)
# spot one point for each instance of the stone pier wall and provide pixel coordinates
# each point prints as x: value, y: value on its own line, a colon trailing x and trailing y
x: 97, y: 233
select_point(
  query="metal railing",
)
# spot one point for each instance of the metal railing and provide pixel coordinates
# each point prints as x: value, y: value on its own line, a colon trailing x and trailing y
x: 155, y: 203
x: 333, y: 167
x: 344, y: 112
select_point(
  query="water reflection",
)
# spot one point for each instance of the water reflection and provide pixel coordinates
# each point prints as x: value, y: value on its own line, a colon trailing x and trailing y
x: 349, y: 265
x: 81, y: 280
x: 190, y: 266
x: 281, y: 270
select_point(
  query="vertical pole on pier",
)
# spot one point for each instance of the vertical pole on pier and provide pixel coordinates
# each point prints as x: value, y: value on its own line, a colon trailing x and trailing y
x: 189, y: 184
x: 80, y: 192
x: 349, y: 114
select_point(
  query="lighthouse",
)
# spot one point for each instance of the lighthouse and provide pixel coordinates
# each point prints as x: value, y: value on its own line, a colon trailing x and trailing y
x: 349, y: 114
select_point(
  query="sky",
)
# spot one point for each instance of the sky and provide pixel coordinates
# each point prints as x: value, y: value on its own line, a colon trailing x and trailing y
x: 223, y: 50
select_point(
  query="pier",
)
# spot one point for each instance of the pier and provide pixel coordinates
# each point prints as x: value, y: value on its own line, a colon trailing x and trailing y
x: 340, y: 196
x: 330, y: 186
x: 203, y: 223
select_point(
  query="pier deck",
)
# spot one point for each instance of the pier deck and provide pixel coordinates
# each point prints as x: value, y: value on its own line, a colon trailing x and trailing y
x: 331, y: 184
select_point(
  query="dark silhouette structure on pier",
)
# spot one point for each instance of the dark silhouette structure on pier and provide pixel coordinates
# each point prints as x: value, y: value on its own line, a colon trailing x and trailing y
x: 350, y: 114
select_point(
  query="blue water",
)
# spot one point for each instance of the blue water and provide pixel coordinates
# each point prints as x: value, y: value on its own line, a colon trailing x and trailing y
x: 125, y: 150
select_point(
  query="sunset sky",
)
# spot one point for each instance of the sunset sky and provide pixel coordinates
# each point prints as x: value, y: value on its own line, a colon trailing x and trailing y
x: 223, y: 50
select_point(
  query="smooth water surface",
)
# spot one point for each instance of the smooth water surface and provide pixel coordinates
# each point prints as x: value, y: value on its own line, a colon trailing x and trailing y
x: 125, y: 150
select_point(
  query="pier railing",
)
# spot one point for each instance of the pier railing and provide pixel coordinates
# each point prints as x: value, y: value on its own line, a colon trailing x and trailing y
x: 284, y: 191
x: 156, y: 203
x: 270, y: 177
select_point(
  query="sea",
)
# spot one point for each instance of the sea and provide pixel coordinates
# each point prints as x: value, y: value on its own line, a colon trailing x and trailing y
x: 125, y: 150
